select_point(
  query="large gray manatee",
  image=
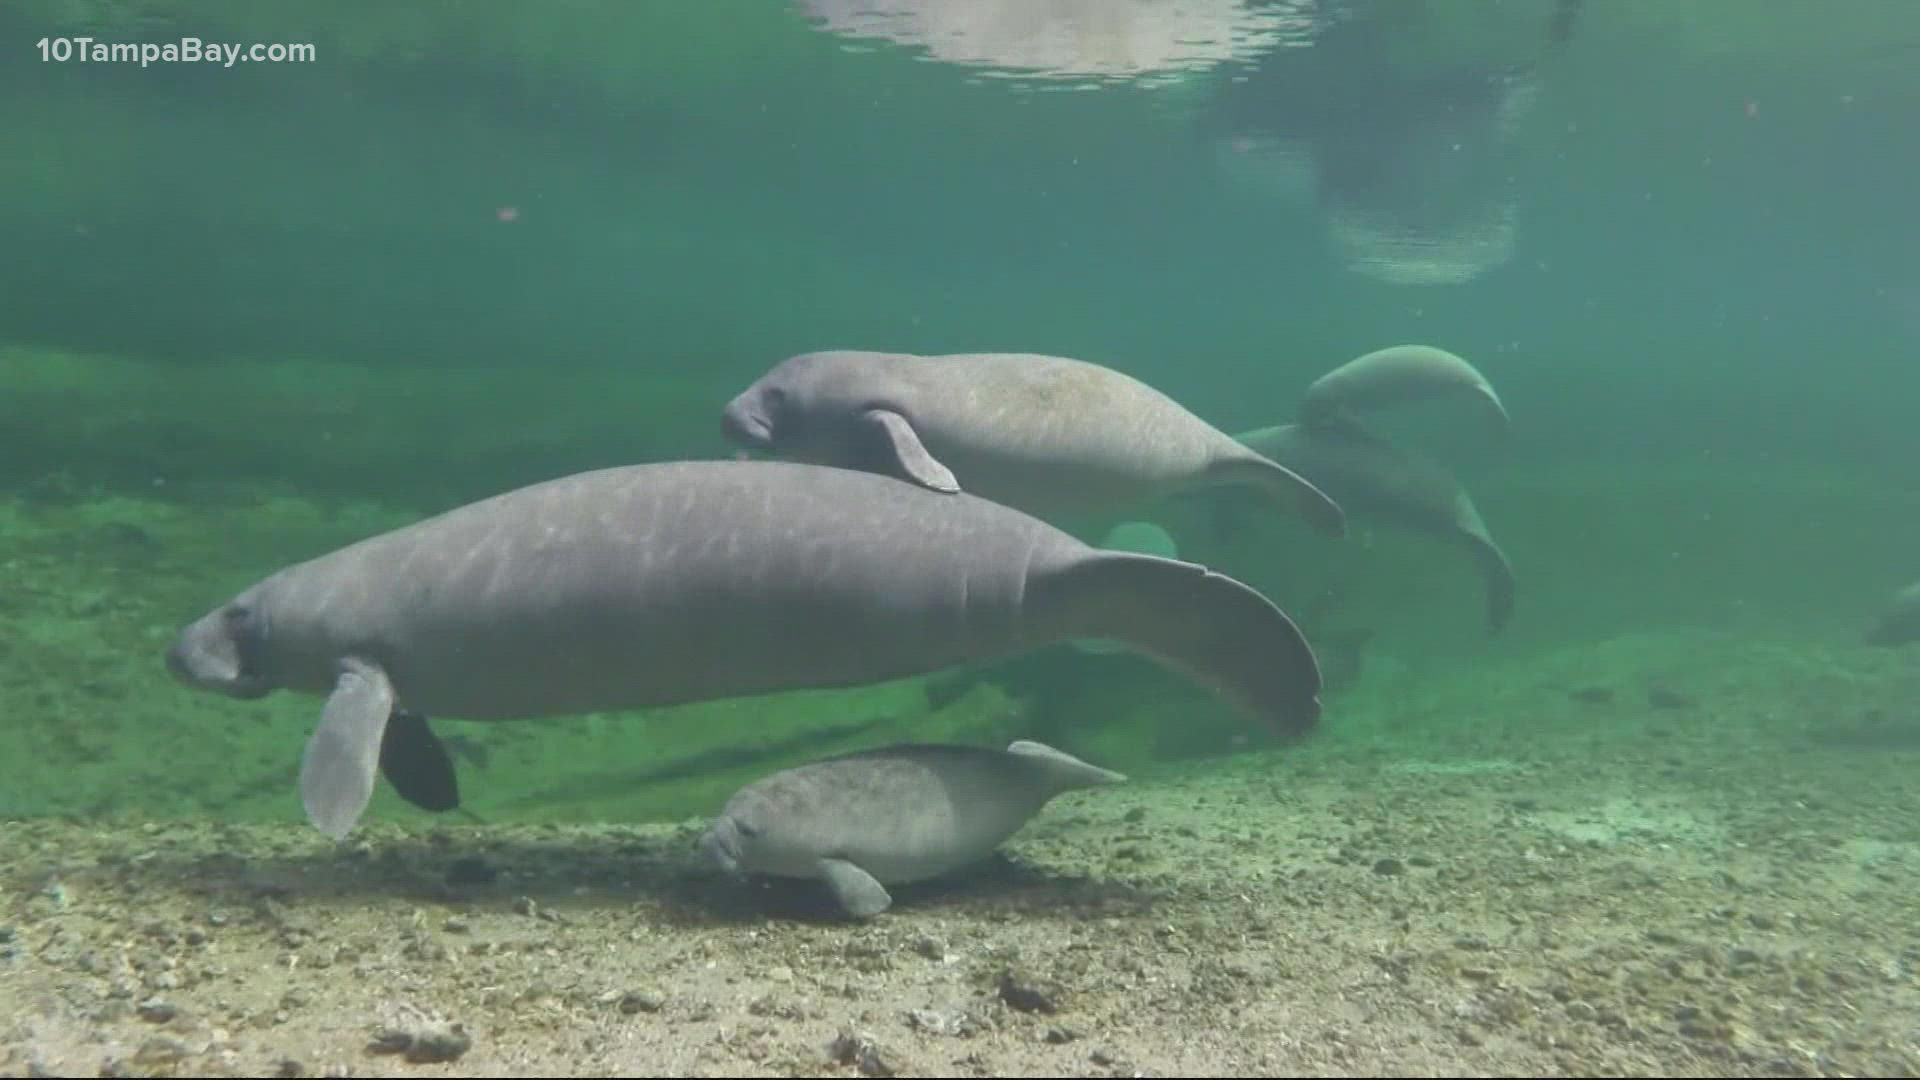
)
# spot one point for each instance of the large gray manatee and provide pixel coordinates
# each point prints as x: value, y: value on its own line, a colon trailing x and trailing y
x: 1376, y: 478
x: 652, y: 585
x: 1053, y: 436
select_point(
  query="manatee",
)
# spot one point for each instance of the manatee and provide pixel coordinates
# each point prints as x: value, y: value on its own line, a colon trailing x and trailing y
x: 897, y: 814
x: 1056, y: 437
x: 1394, y: 375
x: 1373, y: 477
x: 1899, y: 621
x: 1141, y: 536
x: 652, y: 585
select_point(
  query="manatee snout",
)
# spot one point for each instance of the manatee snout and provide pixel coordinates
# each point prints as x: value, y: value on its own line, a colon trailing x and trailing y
x: 745, y: 423
x: 209, y: 654
x: 721, y: 845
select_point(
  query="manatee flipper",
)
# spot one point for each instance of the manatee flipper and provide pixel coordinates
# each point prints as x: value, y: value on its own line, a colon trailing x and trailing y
x: 338, y: 769
x: 858, y: 892
x: 1217, y: 631
x: 896, y: 444
x: 416, y: 763
x: 1283, y: 484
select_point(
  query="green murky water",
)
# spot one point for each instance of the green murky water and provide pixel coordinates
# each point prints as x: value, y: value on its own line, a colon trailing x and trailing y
x: 252, y: 312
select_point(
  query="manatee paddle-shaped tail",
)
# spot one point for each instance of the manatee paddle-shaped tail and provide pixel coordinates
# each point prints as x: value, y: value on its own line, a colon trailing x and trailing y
x: 1210, y: 627
x: 1282, y: 485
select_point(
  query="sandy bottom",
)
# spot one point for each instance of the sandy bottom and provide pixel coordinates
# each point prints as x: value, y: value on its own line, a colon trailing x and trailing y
x: 1676, y: 903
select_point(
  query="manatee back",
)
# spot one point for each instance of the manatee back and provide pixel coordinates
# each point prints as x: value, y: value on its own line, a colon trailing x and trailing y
x: 1396, y: 375
x: 656, y: 584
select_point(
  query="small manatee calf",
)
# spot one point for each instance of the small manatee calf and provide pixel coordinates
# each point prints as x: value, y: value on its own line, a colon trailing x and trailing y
x: 1053, y: 436
x: 652, y: 585
x: 897, y: 814
x: 1398, y: 374
x: 1899, y: 621
x: 1377, y: 479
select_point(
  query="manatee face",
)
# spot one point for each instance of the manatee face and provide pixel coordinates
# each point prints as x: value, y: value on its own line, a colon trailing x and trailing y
x: 747, y: 836
x: 721, y: 845
x: 224, y: 650
x: 799, y: 409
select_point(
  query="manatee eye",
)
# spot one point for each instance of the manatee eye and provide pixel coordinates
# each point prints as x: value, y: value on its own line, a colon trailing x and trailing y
x: 246, y: 624
x: 776, y: 405
x: 746, y: 830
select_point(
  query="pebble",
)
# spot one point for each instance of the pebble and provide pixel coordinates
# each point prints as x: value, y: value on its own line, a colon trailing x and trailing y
x: 940, y: 1022
x: 1027, y: 993
x: 160, y: 1050
x: 639, y: 1001
x: 430, y: 1044
x: 861, y: 1051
